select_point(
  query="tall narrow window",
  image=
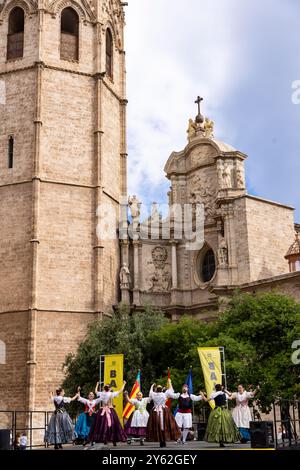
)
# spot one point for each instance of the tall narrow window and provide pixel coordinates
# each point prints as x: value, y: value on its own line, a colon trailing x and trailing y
x: 2, y: 352
x: 109, y: 53
x: 69, y: 38
x: 208, y: 266
x: 10, y: 152
x: 15, y: 37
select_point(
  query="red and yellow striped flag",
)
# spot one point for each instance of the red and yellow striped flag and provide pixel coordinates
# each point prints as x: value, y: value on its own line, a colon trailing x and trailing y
x: 169, y: 385
x: 129, y: 408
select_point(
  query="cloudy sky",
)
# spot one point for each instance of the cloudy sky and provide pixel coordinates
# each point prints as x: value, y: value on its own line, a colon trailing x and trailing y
x: 242, y: 57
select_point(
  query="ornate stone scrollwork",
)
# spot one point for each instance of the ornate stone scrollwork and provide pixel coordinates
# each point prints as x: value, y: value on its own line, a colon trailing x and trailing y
x: 160, y: 279
x: 202, y: 192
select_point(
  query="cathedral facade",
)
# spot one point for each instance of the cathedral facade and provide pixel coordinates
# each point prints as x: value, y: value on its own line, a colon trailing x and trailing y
x: 63, y: 157
x: 247, y: 243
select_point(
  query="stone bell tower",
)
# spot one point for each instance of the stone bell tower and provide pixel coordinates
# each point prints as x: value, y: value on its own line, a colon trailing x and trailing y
x: 62, y: 155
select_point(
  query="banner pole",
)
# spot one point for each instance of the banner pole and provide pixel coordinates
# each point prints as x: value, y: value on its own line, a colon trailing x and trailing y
x: 222, y: 352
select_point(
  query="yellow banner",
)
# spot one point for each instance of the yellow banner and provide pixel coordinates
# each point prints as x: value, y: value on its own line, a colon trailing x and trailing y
x: 210, y: 359
x: 113, y: 376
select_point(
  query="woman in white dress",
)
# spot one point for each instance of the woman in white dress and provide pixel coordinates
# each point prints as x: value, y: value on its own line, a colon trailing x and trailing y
x: 136, y: 427
x: 241, y: 413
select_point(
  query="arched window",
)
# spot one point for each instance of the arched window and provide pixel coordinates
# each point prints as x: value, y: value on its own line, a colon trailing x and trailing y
x: 208, y: 266
x: 15, y: 37
x: 109, y: 53
x: 69, y: 38
x: 2, y: 352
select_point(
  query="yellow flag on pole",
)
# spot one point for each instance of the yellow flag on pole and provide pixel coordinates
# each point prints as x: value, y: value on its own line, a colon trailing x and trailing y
x: 113, y: 376
x: 210, y: 359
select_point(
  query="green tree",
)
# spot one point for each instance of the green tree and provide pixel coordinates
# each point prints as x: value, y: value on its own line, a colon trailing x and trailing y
x: 120, y: 333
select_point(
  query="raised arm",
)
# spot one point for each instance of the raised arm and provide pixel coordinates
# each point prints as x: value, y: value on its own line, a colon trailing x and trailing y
x: 196, y: 397
x: 115, y: 394
x: 171, y: 394
x: 75, y: 397
x: 230, y: 395
x: 97, y: 388
x: 151, y: 391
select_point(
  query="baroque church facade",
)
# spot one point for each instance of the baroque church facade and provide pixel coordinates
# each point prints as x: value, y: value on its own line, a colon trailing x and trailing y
x: 63, y: 154
x: 249, y: 243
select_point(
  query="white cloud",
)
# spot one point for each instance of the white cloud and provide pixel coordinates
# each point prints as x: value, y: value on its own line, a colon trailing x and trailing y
x: 242, y: 58
x: 175, y: 50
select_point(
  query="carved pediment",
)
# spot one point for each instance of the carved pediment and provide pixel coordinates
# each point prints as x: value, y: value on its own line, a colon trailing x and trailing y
x: 29, y: 6
x: 84, y: 8
x: 201, y: 155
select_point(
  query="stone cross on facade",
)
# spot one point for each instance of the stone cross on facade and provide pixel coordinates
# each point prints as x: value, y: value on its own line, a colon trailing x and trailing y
x: 199, y: 118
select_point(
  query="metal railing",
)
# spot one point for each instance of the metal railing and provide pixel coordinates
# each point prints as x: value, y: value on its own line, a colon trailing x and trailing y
x: 286, y: 417
x: 33, y: 423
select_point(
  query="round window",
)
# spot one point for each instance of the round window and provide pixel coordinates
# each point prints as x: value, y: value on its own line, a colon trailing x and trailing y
x: 208, y: 266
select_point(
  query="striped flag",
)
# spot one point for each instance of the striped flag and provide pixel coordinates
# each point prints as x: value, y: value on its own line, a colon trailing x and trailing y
x: 129, y: 408
x: 169, y: 386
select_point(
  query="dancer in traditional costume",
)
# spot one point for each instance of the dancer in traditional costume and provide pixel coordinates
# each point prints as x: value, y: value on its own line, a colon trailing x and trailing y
x: 220, y: 427
x: 107, y: 427
x: 183, y: 416
x: 86, y: 420
x: 241, y: 413
x: 136, y: 426
x: 162, y: 426
x: 60, y: 429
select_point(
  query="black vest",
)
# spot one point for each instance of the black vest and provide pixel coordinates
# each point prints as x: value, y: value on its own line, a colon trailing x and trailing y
x: 185, y: 403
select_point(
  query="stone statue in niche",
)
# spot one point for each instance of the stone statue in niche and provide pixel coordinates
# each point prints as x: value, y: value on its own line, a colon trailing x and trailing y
x: 135, y: 207
x: 223, y: 253
x: 220, y: 174
x: 240, y: 177
x: 227, y: 181
x: 125, y: 277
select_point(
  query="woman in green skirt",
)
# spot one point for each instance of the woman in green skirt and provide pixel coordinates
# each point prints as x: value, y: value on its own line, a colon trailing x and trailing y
x: 220, y: 427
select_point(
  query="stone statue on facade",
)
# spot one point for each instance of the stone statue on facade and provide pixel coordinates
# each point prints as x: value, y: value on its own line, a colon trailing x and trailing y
x: 209, y: 128
x: 191, y: 132
x: 135, y: 207
x: 125, y: 277
x: 223, y: 253
x: 227, y: 181
x: 240, y: 177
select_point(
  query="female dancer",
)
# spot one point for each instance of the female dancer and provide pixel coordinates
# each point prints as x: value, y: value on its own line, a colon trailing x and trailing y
x: 241, y: 413
x: 183, y: 416
x: 162, y: 426
x: 107, y: 426
x: 86, y: 419
x: 60, y: 429
x: 136, y: 427
x: 220, y: 427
